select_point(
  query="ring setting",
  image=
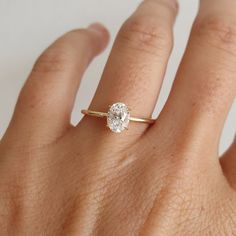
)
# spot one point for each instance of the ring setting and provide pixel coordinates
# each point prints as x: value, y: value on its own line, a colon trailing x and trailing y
x: 118, y: 117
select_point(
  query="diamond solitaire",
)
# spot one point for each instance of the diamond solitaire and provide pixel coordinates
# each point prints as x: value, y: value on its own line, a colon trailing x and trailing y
x: 118, y: 117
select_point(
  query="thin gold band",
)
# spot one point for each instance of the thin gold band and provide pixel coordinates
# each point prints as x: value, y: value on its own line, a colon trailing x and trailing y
x: 104, y: 114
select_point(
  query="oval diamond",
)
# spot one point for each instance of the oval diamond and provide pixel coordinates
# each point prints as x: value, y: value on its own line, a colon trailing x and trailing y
x: 118, y: 117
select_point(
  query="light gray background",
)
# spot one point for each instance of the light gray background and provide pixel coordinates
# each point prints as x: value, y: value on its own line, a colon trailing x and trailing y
x: 27, y: 27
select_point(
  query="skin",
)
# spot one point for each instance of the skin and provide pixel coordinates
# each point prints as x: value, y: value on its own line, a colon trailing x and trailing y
x: 164, y: 179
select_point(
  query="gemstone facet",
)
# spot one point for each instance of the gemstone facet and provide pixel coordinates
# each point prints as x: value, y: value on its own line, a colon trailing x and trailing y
x: 118, y: 117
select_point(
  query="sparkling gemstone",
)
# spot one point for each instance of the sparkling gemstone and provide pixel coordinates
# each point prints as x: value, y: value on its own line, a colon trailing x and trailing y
x: 118, y: 117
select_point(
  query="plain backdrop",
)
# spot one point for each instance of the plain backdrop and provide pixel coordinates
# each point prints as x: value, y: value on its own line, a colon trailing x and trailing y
x: 27, y: 27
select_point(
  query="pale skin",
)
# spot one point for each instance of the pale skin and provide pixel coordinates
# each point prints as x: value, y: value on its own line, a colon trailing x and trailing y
x: 164, y: 179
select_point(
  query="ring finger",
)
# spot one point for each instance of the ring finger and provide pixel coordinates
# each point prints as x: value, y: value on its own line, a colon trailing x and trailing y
x: 136, y: 66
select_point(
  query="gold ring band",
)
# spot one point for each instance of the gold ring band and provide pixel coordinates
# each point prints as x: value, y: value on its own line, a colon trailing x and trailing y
x: 105, y: 114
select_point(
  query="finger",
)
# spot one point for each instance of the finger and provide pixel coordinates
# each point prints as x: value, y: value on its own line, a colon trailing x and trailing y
x: 228, y: 162
x: 46, y: 100
x: 205, y: 86
x: 136, y: 66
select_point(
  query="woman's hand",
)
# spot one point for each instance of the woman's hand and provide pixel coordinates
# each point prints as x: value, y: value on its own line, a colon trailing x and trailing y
x: 164, y: 179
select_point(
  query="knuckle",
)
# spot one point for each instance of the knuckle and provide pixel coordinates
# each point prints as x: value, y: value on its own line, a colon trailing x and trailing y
x: 55, y: 59
x: 218, y: 32
x: 144, y: 34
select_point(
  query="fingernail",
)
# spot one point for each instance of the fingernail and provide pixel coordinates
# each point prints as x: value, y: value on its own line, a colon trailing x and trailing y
x: 97, y: 27
x: 175, y: 4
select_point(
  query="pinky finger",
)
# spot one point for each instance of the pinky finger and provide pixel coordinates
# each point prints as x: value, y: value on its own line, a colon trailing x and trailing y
x: 45, y: 103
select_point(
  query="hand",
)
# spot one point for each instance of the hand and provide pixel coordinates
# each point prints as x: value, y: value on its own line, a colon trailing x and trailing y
x: 164, y: 179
